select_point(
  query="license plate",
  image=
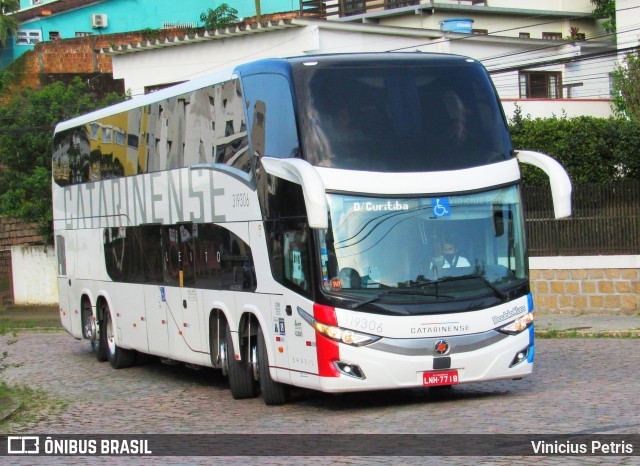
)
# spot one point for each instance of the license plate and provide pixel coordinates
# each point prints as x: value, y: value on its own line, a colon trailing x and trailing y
x: 436, y: 378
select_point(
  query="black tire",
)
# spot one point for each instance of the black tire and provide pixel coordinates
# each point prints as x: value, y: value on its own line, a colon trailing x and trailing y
x: 99, y: 346
x: 274, y: 393
x: 241, y: 381
x: 119, y: 358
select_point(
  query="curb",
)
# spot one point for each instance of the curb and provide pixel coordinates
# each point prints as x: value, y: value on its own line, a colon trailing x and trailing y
x: 586, y: 333
x: 8, y: 406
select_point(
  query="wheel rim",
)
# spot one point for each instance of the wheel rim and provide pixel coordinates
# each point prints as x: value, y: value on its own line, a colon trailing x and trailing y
x: 88, y: 323
x: 111, y: 341
x: 223, y: 358
x: 254, y: 362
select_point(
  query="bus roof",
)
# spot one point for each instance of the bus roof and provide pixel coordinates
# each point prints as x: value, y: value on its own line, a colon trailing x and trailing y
x: 265, y: 65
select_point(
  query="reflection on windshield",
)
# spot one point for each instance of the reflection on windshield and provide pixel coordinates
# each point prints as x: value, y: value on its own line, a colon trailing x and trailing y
x: 424, y: 248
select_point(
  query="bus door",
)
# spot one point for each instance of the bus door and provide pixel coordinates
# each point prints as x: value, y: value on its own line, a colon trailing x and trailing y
x: 157, y: 322
x: 181, y: 297
x: 66, y: 269
x: 301, y: 356
x: 282, y: 331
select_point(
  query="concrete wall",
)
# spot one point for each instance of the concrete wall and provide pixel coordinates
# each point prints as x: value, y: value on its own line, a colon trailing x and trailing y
x: 601, y: 284
x: 586, y: 284
x: 34, y: 275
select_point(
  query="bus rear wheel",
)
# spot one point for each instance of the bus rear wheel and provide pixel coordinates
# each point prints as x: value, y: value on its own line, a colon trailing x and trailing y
x: 241, y: 380
x: 91, y: 330
x: 273, y: 393
x: 119, y: 358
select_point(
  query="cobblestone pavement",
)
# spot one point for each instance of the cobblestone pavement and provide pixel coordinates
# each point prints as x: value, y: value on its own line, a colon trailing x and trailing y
x: 579, y: 386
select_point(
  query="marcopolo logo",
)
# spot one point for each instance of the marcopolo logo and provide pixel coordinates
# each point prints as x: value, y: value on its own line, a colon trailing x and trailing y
x: 508, y: 314
x: 379, y: 206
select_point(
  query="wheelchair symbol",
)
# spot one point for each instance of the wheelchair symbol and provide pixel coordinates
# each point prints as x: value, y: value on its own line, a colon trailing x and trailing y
x: 440, y: 210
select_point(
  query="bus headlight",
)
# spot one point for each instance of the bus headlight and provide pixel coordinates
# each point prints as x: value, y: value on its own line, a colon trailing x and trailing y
x: 520, y: 324
x: 340, y: 334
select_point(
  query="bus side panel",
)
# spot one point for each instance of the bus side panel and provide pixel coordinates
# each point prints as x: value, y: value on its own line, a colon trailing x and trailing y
x: 191, y: 312
x: 184, y: 325
x: 65, y: 247
x: 300, y: 357
x: 177, y: 345
x: 129, y: 315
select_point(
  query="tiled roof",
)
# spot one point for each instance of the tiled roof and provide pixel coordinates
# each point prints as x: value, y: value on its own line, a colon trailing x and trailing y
x: 202, y: 36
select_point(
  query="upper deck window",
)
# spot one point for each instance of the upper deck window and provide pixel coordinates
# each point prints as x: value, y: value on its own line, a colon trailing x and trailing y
x: 206, y: 125
x: 400, y: 118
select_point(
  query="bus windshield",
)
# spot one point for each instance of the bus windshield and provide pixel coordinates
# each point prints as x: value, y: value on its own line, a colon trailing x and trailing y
x: 400, y: 118
x: 425, y: 250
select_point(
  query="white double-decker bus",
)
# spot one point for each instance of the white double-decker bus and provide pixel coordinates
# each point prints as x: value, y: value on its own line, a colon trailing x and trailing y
x: 335, y: 222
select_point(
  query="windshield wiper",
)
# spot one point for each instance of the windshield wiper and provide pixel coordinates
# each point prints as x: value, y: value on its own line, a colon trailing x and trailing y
x: 496, y: 291
x: 402, y: 291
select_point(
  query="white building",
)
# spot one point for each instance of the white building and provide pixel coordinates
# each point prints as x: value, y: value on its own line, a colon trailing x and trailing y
x: 544, y: 50
x: 550, y: 56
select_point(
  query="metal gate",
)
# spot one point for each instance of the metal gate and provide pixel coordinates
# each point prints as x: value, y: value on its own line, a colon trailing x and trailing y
x: 6, y: 277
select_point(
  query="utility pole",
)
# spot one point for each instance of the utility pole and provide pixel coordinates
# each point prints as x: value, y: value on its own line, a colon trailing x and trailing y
x: 258, y: 14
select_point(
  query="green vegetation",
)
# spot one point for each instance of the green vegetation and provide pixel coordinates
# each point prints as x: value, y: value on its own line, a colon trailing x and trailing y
x: 626, y: 93
x: 220, y: 17
x: 20, y: 318
x: 605, y: 9
x: 592, y: 150
x: 151, y: 34
x: 8, y: 23
x: 31, y: 402
x: 27, y: 121
x: 554, y: 333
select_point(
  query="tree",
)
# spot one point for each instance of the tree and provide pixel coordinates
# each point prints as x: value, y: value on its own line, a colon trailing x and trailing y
x: 220, y: 18
x: 27, y: 121
x: 626, y: 92
x: 8, y: 23
x: 605, y: 9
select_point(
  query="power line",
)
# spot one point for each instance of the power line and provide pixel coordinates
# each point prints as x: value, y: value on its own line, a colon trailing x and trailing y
x: 564, y: 60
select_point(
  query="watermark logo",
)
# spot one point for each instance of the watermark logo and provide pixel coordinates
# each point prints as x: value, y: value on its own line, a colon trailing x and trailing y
x: 23, y: 445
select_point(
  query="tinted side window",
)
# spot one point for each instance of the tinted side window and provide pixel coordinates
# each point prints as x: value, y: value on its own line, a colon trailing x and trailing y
x: 62, y: 255
x: 271, y: 116
x: 179, y: 257
x: 291, y: 254
x: 119, y: 253
x: 230, y: 133
x: 288, y: 236
x: 201, y: 255
x: 224, y: 261
x: 203, y: 126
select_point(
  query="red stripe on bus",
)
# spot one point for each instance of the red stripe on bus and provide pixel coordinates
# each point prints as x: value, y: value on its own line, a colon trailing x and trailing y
x: 327, y: 350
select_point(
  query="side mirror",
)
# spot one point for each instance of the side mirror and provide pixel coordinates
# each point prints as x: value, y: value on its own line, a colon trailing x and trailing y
x: 560, y: 182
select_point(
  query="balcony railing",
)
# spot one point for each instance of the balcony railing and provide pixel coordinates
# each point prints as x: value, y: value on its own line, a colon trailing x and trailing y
x: 326, y: 9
